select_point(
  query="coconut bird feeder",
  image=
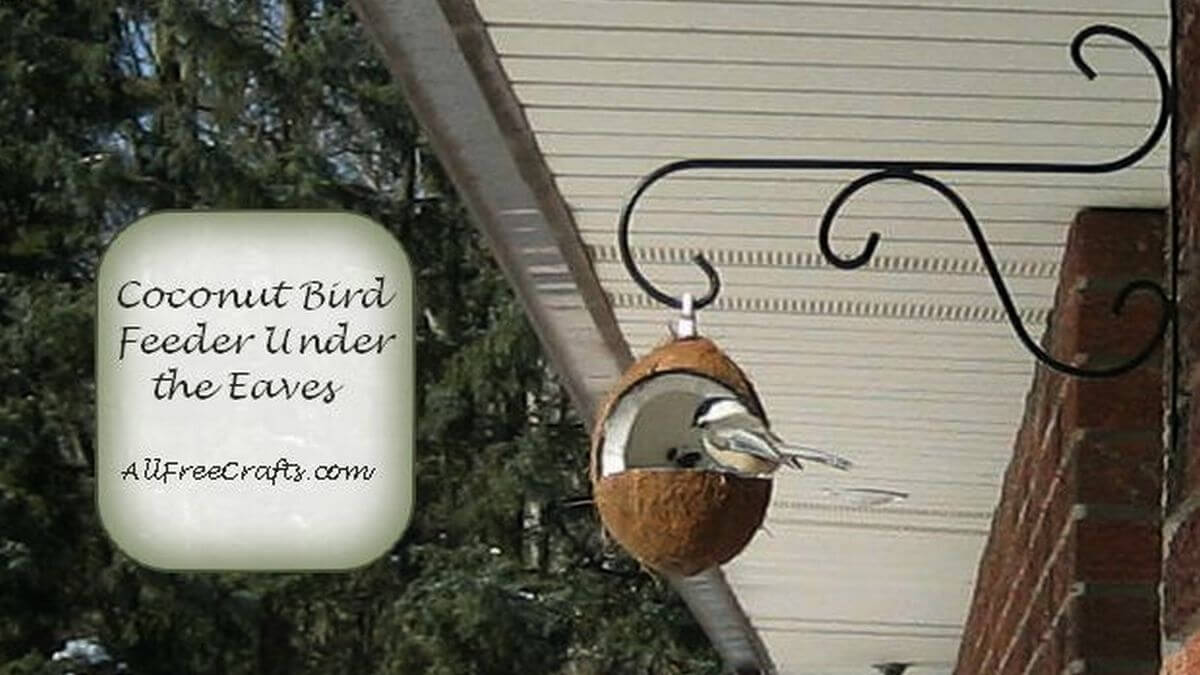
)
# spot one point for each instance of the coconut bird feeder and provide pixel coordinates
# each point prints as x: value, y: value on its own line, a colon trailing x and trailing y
x: 672, y: 519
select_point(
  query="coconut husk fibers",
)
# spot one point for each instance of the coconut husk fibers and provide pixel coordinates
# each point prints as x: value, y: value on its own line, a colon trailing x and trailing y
x: 680, y: 521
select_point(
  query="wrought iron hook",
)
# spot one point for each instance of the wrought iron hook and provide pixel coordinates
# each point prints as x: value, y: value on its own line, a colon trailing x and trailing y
x: 993, y: 272
x: 714, y: 279
x: 911, y: 171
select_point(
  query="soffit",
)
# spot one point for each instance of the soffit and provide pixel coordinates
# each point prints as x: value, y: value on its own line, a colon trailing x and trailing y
x: 907, y: 366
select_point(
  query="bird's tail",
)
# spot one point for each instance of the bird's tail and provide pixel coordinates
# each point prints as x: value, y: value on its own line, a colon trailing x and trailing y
x: 795, y: 455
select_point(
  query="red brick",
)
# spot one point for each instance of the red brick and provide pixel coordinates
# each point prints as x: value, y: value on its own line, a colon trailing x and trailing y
x: 1042, y: 665
x: 1119, y: 469
x: 1181, y: 577
x: 1189, y: 481
x: 1053, y: 468
x: 1022, y: 593
x: 1040, y: 614
x: 1022, y: 652
x: 1008, y: 626
x: 1189, y: 310
x: 1113, y: 243
x: 1024, y: 536
x: 1181, y: 568
x: 1058, y: 513
x: 1061, y: 579
x: 1134, y: 402
x: 1066, y: 634
x: 1117, y: 551
x: 1043, y: 542
x: 1090, y: 326
x: 1119, y: 624
x: 1185, y: 661
x: 1051, y: 450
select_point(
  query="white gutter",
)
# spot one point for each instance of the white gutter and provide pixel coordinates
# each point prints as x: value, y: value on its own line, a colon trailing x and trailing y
x: 442, y: 56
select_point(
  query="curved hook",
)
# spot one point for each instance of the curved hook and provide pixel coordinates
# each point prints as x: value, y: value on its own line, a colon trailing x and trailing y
x: 993, y: 271
x: 1160, y: 75
x: 714, y: 279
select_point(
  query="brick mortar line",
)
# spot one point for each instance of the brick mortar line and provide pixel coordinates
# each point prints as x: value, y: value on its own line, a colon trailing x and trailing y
x: 1187, y: 631
x: 1060, y: 471
x: 1035, y: 412
x: 1060, y: 544
x: 1063, y: 464
x: 1077, y: 438
x: 1102, y: 666
x: 1077, y: 513
x: 1050, y: 492
x: 1077, y: 590
x: 1178, y: 516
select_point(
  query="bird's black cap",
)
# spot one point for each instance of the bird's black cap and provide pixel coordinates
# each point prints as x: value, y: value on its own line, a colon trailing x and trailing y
x: 706, y: 405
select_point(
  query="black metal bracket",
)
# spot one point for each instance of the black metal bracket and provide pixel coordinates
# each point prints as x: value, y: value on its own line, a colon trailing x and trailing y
x: 915, y: 172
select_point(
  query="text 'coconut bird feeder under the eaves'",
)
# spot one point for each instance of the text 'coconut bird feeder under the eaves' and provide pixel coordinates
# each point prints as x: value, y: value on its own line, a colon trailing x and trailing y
x: 673, y: 518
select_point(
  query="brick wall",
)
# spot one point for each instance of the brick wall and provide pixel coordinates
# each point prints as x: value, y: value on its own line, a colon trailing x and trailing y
x: 1068, y: 581
x: 1181, y: 531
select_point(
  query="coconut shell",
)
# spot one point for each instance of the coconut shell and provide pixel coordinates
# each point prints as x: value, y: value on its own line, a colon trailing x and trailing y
x: 682, y: 522
x: 695, y: 354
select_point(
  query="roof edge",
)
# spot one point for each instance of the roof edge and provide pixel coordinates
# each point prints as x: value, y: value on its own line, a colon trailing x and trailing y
x: 481, y: 56
x: 452, y: 77
x: 455, y: 87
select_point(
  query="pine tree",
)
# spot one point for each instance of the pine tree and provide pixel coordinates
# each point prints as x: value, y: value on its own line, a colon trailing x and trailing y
x: 114, y: 108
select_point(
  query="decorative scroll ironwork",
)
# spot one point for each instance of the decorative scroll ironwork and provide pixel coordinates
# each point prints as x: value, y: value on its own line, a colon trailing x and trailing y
x: 914, y: 172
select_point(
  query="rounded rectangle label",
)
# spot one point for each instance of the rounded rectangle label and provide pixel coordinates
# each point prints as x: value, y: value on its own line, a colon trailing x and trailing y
x: 255, y: 385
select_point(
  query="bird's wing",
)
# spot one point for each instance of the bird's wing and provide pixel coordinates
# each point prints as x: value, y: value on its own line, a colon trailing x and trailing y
x: 808, y: 453
x: 740, y: 440
x: 815, y: 455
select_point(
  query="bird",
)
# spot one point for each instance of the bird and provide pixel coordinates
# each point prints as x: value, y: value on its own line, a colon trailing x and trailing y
x: 685, y: 458
x: 737, y: 440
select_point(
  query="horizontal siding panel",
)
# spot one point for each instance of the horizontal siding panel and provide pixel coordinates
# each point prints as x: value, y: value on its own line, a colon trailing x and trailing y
x: 1022, y: 190
x: 1122, y: 8
x: 842, y: 336
x: 1120, y: 138
x: 824, y: 104
x: 903, y: 245
x: 835, y: 302
x: 833, y: 78
x: 805, y: 349
x: 961, y: 247
x: 867, y: 206
x: 1137, y: 177
x: 730, y: 327
x: 747, y: 279
x: 925, y: 22
x: 928, y: 496
x: 619, y: 144
x: 845, y: 228
x: 1106, y: 55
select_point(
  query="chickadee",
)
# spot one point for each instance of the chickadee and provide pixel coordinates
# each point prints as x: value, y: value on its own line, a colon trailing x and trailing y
x: 685, y: 458
x: 737, y: 440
